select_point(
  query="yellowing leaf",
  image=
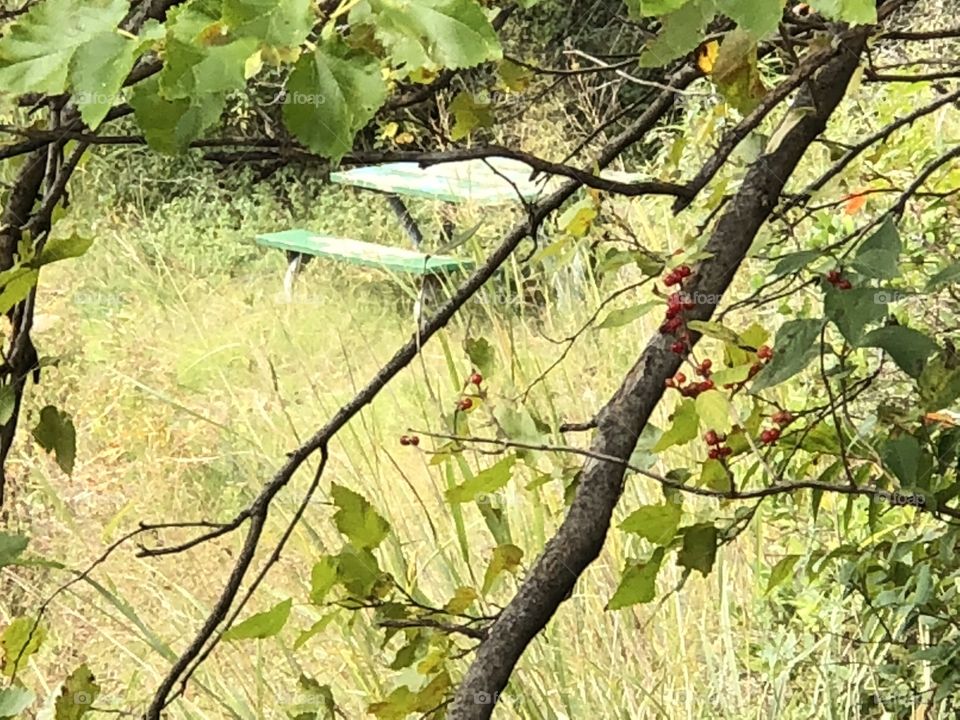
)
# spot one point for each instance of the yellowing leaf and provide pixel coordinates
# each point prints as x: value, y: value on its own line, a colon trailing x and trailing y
x: 253, y: 65
x: 506, y: 558
x: 461, y: 600
x: 468, y: 115
x: 707, y: 56
x: 735, y: 71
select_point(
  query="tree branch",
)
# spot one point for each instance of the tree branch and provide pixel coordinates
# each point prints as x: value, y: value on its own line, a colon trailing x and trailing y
x: 581, y: 536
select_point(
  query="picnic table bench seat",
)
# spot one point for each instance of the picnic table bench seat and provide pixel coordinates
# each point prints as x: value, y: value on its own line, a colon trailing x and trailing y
x: 359, y: 252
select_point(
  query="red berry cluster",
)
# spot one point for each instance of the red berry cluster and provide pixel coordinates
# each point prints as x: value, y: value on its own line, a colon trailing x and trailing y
x: 409, y: 440
x: 691, y: 390
x: 835, y: 278
x: 782, y: 418
x: 677, y: 303
x: 718, y: 450
x: 466, y: 402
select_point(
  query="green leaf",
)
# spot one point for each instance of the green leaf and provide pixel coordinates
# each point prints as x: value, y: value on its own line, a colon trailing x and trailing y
x: 171, y: 125
x: 726, y: 376
x: 36, y: 51
x: 638, y: 583
x: 862, y: 12
x: 312, y: 631
x: 97, y: 71
x: 879, y: 255
x: 331, y: 94
x: 323, y: 577
x: 656, y: 523
x: 758, y: 17
x: 77, y: 695
x: 653, y: 8
x: 11, y: 547
x: 278, y: 23
x: 19, y: 281
x: 715, y: 330
x: 682, y: 430
x: 939, y: 382
x: 909, y: 348
x: 781, y: 571
x: 60, y: 248
x: 699, y: 548
x: 950, y: 274
x: 357, y: 519
x: 485, y: 482
x: 468, y: 115
x: 481, y: 354
x: 715, y: 476
x: 795, y: 261
x: 902, y: 456
x: 623, y: 316
x: 852, y: 310
x: 21, y: 639
x: 797, y: 343
x: 713, y: 408
x: 14, y: 700
x: 55, y: 433
x: 262, y: 625
x: 358, y: 570
x: 431, y: 33
x: 682, y: 31
x: 506, y: 558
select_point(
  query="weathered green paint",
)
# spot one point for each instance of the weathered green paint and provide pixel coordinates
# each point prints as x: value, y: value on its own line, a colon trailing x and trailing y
x: 358, y: 252
x: 468, y: 181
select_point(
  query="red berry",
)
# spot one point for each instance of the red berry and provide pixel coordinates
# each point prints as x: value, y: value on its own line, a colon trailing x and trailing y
x: 476, y: 379
x: 689, y: 305
x: 706, y: 364
x: 674, y: 300
x: 670, y: 382
x: 671, y: 279
x: 414, y: 440
x: 404, y: 439
x: 671, y: 325
x: 465, y: 403
x: 714, y: 453
x: 768, y: 437
x: 672, y: 312
x: 679, y: 347
x: 707, y: 385
x: 833, y: 276
x: 782, y: 417
x: 844, y: 284
x: 680, y: 378
x: 725, y: 451
x: 684, y: 271
x: 689, y: 391
x: 765, y: 352
x: 711, y: 437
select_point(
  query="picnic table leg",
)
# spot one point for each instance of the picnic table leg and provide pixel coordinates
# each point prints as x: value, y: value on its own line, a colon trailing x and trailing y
x: 406, y: 219
x: 295, y: 260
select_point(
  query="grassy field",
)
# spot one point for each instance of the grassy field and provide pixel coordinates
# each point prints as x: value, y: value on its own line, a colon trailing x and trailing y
x: 189, y: 378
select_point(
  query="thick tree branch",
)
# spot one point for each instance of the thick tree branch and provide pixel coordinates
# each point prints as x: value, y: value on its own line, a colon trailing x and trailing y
x: 582, y: 534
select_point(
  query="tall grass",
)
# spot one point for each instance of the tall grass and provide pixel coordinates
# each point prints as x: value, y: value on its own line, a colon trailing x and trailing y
x: 189, y: 379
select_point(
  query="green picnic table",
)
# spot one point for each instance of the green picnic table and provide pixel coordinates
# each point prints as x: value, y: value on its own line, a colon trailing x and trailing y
x: 495, y: 181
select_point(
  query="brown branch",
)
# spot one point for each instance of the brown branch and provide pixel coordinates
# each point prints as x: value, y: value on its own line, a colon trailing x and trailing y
x: 581, y: 536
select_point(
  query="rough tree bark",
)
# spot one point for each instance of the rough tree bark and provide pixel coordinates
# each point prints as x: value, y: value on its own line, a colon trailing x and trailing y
x: 581, y: 536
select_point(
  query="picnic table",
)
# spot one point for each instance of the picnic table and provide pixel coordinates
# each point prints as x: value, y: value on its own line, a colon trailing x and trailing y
x: 495, y: 181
